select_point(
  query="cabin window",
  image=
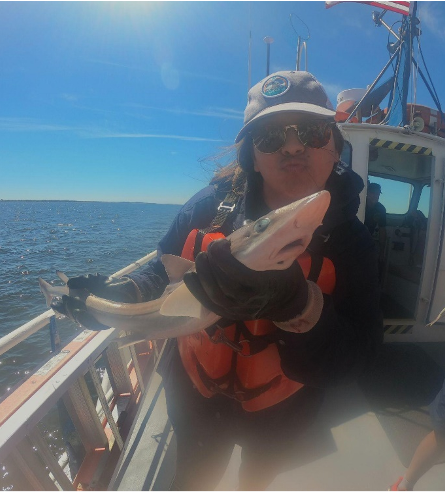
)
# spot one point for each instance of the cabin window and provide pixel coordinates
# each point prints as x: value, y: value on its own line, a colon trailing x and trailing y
x: 404, y: 173
x: 395, y: 195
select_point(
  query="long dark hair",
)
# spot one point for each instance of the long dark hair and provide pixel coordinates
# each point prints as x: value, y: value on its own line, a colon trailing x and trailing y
x: 242, y: 167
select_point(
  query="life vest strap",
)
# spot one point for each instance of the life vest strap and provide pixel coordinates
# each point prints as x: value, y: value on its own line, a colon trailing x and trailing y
x: 256, y: 343
x: 236, y: 391
x: 316, y: 267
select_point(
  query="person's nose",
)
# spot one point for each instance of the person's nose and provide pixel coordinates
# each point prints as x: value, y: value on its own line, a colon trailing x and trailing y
x: 293, y: 144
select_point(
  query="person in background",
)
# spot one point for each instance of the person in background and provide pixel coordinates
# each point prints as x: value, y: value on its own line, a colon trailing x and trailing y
x: 257, y: 377
x: 429, y: 451
x: 375, y: 220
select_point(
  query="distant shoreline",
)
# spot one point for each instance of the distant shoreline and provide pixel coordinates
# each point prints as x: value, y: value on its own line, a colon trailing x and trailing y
x: 73, y: 200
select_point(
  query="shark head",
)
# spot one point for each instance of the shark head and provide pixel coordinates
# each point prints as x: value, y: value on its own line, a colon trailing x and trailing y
x: 275, y: 240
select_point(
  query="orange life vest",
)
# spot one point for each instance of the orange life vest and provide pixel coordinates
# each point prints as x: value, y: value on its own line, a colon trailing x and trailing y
x: 241, y: 360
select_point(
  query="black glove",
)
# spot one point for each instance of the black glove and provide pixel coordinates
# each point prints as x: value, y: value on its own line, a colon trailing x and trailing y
x: 116, y: 289
x: 76, y: 310
x: 228, y: 288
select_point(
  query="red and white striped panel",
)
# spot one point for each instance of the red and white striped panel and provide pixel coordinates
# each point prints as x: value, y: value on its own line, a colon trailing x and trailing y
x: 404, y: 8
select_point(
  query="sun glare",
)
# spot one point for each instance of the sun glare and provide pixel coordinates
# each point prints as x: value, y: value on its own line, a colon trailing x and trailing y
x: 133, y: 6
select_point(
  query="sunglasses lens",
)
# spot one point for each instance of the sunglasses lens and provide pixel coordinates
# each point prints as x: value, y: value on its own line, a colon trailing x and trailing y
x: 269, y: 140
x: 312, y: 134
x: 315, y: 135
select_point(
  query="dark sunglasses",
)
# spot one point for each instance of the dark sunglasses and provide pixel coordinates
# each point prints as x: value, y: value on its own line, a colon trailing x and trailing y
x: 270, y: 139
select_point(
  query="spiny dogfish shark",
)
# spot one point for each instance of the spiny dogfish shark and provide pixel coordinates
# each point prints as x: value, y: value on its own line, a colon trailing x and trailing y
x: 272, y: 242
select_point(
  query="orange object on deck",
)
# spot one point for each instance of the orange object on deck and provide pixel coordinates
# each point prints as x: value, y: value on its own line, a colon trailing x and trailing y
x: 433, y: 122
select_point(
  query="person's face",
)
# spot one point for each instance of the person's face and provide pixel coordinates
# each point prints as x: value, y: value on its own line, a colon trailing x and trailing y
x: 372, y: 198
x: 295, y: 171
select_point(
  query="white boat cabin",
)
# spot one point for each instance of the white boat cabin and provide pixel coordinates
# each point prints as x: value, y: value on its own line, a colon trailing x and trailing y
x: 409, y: 166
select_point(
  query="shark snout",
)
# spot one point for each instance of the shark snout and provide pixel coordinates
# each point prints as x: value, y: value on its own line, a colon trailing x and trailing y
x: 307, y: 216
x: 312, y: 211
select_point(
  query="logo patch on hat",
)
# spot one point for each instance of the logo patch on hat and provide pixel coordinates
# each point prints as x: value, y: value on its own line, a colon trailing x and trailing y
x: 275, y: 86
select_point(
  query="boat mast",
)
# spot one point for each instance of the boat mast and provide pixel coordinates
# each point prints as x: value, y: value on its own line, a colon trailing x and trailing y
x: 401, y: 54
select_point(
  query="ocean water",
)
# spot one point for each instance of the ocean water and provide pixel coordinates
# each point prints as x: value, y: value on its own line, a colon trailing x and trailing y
x: 39, y: 237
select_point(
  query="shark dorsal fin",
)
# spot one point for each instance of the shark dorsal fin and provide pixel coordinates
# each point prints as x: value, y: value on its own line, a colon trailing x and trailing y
x: 181, y: 302
x: 175, y: 267
x: 62, y: 276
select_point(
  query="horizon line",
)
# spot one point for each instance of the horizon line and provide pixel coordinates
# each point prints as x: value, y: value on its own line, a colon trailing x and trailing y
x: 91, y: 200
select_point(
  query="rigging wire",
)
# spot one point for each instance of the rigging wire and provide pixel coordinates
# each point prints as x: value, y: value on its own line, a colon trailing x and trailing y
x: 396, y: 90
x: 294, y: 29
x: 301, y: 42
x: 436, y: 99
x: 415, y: 69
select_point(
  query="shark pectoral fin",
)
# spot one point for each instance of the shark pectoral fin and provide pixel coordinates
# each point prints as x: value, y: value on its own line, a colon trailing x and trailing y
x: 45, y: 289
x: 175, y: 267
x: 181, y: 302
x: 51, y: 291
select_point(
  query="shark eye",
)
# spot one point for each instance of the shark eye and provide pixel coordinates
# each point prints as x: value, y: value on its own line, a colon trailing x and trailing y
x: 261, y: 225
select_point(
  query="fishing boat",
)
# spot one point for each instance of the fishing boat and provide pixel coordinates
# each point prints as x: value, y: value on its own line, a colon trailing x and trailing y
x: 115, y: 426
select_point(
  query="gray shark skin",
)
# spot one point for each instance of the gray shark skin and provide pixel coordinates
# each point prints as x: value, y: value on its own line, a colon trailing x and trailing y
x: 272, y: 242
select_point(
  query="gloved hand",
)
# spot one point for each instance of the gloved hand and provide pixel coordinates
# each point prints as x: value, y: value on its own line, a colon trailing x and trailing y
x: 116, y: 289
x: 231, y: 290
x: 75, y: 309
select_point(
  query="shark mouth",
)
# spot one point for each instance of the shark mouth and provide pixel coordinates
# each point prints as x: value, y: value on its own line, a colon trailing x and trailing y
x: 293, y: 249
x: 291, y: 246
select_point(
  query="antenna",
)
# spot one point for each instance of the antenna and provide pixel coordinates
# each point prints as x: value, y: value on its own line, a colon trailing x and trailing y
x: 268, y: 40
x: 249, y: 61
x: 249, y: 49
x: 301, y: 42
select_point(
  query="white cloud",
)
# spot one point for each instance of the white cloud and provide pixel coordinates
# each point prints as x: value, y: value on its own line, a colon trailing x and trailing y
x: 216, y: 112
x: 161, y: 69
x: 122, y: 135
x: 13, y: 124
x: 430, y: 18
x: 69, y: 97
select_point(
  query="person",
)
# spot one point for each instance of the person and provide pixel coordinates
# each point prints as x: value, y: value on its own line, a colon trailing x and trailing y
x: 257, y: 377
x: 429, y: 451
x: 375, y: 220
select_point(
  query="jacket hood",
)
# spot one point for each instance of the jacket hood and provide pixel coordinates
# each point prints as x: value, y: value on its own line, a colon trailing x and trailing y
x: 344, y: 186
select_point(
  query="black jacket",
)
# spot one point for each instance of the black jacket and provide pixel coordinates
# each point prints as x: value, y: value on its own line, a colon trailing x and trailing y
x: 347, y: 337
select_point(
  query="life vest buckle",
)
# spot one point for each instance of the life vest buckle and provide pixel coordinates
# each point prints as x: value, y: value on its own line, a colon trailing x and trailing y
x: 220, y: 337
x: 229, y: 207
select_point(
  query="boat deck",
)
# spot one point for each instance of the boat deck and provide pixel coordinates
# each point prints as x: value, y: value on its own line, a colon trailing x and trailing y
x: 363, y: 439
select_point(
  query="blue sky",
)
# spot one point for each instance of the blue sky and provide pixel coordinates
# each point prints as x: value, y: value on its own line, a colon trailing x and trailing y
x: 122, y: 101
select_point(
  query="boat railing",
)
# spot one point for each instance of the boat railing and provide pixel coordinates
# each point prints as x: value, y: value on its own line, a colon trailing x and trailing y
x: 94, y: 385
x: 20, y: 334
